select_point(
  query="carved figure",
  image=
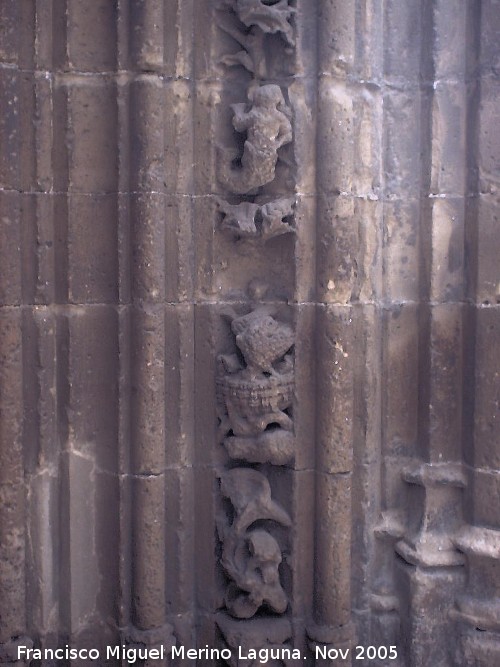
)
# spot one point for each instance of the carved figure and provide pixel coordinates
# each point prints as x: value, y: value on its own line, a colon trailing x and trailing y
x: 258, y: 221
x: 251, y: 557
x: 268, y: 128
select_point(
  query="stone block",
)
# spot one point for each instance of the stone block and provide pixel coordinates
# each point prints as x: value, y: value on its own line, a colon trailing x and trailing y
x: 91, y: 133
x: 147, y: 35
x: 338, y: 249
x: 92, y: 35
x: 448, y: 138
x: 400, y: 380
x: 305, y: 377
x: 179, y: 249
x: 426, y: 627
x: 93, y: 390
x: 489, y: 27
x: 92, y: 266
x: 208, y: 113
x: 401, y: 254
x: 403, y: 108
x: 147, y: 407
x: 332, y: 597
x: 42, y: 557
x: 368, y: 143
x: 447, y: 250
x: 449, y: 56
x: 487, y: 417
x: 302, y: 100
x: 368, y: 274
x: 304, y: 248
x: 368, y: 65
x: 179, y: 384
x: 335, y: 136
x: 147, y: 134
x: 402, y: 35
x: 488, y: 142
x: 148, y: 552
x: 179, y: 540
x: 147, y: 241
x: 10, y: 135
x: 487, y: 281
x: 485, y: 494
x: 335, y: 389
x: 444, y: 394
x: 337, y: 41
x: 11, y: 279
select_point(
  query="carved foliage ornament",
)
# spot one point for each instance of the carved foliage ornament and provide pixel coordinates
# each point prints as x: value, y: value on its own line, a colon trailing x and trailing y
x: 255, y: 20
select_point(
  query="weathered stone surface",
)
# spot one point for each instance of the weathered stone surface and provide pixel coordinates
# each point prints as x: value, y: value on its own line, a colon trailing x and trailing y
x: 249, y: 308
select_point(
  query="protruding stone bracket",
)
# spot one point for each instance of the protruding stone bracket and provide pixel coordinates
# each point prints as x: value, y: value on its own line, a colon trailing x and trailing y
x: 429, y: 542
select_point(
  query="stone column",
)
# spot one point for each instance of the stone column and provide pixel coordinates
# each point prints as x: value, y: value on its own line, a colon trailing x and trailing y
x: 477, y: 609
x: 156, y: 95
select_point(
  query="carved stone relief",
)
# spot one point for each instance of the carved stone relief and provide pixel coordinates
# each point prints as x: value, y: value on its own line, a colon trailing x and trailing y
x: 255, y: 387
x: 256, y: 378
x: 251, y: 555
x: 258, y: 221
x: 267, y: 124
x: 248, y: 24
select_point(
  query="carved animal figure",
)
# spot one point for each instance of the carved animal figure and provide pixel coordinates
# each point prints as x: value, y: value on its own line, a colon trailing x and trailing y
x: 268, y: 128
x: 251, y: 557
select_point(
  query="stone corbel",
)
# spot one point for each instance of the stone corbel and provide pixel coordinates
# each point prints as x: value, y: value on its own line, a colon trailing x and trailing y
x: 429, y: 541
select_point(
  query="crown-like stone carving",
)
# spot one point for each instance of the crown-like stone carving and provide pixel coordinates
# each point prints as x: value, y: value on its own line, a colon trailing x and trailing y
x: 255, y: 388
